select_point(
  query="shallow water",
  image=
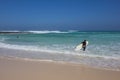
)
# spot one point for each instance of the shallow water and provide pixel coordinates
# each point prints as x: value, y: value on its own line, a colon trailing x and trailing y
x: 103, y: 49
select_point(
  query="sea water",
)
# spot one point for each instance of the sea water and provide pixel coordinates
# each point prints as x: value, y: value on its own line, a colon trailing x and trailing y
x: 103, y: 50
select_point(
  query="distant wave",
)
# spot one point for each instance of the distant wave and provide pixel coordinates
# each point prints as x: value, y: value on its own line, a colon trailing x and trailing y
x: 46, y: 31
x: 41, y: 32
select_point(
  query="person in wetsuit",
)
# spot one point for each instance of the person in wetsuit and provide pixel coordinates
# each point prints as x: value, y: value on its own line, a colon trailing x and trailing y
x: 84, y: 45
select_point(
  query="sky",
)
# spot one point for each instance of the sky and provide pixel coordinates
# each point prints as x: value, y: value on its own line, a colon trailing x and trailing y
x: 83, y: 15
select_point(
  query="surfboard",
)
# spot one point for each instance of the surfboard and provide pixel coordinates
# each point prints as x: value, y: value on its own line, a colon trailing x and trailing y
x: 78, y: 47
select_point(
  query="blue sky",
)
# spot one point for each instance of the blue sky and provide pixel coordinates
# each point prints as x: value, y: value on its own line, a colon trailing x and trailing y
x: 84, y: 15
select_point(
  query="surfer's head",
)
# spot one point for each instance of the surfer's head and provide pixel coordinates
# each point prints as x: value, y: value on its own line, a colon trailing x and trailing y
x: 85, y: 40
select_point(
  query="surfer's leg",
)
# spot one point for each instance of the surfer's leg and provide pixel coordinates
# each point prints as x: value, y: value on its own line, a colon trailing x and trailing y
x: 84, y: 48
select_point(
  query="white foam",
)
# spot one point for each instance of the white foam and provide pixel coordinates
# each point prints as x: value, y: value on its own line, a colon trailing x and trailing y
x: 34, y: 48
x: 58, y: 51
x: 42, y: 32
x: 29, y: 48
x: 78, y: 57
x: 46, y: 31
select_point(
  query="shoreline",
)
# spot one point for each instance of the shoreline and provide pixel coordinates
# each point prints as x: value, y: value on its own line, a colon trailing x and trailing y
x: 95, y: 62
x: 56, y: 62
x: 18, y: 69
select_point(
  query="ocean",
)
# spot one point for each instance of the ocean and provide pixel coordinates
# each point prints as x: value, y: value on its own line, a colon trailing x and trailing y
x: 103, y: 50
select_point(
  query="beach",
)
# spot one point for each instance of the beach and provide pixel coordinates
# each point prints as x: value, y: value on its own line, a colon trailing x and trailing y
x: 59, y: 40
x: 19, y: 69
x: 50, y: 55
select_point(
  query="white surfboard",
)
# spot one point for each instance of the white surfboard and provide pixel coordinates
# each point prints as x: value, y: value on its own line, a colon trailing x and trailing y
x: 78, y: 47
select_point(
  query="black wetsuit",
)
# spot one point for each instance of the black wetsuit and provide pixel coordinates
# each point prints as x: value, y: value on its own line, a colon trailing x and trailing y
x: 84, y: 45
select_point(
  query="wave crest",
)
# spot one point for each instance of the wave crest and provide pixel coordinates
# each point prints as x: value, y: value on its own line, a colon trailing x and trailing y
x: 43, y: 32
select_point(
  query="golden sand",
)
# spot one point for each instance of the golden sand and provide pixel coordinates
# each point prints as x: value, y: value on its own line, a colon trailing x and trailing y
x: 17, y: 69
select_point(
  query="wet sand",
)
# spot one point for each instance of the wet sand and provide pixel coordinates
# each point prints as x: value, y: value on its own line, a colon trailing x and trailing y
x: 18, y: 69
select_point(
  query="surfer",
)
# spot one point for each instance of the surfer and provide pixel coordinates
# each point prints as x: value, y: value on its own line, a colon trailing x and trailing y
x: 84, y: 45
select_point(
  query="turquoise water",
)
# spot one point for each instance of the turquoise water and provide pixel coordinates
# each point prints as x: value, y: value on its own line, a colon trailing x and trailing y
x: 103, y: 47
x: 100, y: 43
